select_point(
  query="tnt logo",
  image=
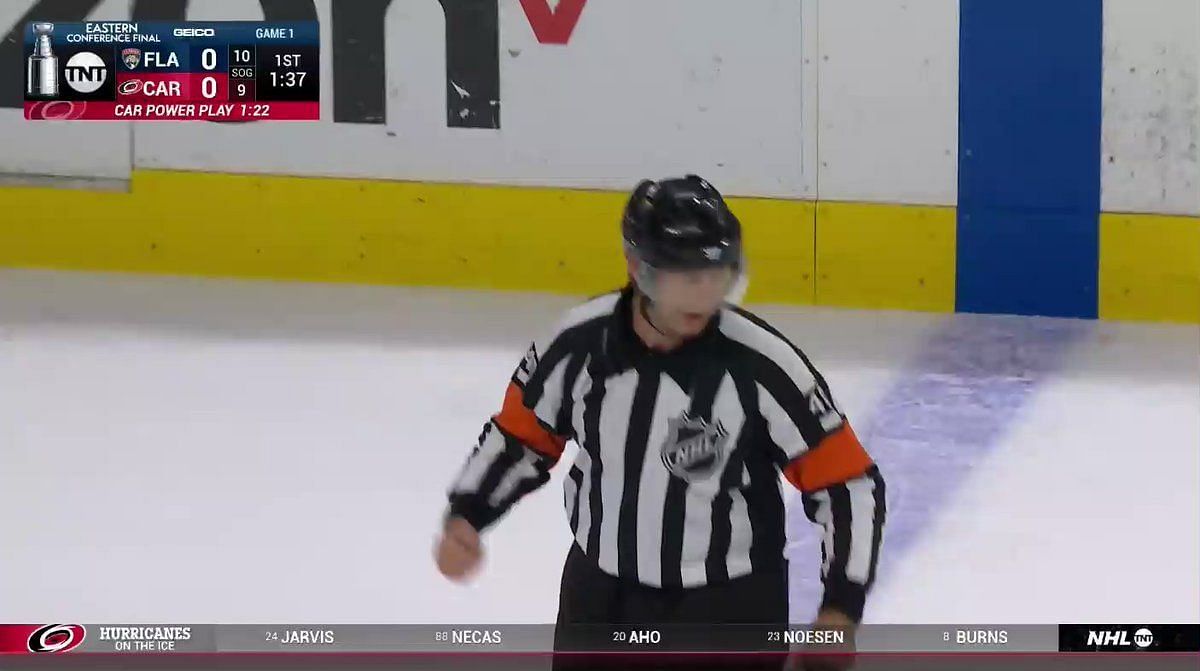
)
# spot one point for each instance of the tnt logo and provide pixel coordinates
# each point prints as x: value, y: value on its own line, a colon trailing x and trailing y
x: 86, y: 72
x: 1143, y: 638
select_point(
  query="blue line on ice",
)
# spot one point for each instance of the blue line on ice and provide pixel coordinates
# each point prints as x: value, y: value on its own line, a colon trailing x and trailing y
x: 947, y: 410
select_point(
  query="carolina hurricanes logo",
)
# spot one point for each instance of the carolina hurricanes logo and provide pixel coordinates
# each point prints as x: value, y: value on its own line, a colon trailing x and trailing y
x: 57, y: 110
x: 56, y: 638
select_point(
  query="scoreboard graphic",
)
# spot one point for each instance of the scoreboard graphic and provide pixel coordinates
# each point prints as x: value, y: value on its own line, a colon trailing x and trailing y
x: 193, y: 71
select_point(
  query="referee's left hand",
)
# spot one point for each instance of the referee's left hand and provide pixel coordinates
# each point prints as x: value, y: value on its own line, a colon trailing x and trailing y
x: 839, y: 658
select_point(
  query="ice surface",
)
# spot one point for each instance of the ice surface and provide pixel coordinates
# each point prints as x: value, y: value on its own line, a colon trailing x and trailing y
x: 186, y: 450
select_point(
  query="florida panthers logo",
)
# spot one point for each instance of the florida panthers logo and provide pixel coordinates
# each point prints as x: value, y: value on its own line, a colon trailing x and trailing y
x: 131, y: 57
x: 694, y: 449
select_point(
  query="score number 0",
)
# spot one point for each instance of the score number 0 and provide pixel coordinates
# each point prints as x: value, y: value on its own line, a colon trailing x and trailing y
x: 208, y: 61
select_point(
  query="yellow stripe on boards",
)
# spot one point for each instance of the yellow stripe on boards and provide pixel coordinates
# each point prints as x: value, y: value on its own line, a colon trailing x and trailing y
x: 1150, y: 268
x: 886, y: 256
x: 370, y: 231
x: 780, y: 249
x: 540, y: 239
x: 324, y: 230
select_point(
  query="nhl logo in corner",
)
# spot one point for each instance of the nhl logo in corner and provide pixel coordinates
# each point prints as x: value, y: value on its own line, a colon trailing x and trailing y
x: 694, y: 448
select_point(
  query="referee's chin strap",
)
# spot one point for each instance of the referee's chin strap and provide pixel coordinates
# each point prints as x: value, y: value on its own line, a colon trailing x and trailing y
x: 645, y: 310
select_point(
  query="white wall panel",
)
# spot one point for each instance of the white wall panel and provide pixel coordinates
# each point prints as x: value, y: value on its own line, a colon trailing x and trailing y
x: 888, y: 98
x: 643, y: 89
x: 1151, y: 138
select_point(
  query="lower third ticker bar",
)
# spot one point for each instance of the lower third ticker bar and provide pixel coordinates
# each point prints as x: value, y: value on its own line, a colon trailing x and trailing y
x: 21, y: 639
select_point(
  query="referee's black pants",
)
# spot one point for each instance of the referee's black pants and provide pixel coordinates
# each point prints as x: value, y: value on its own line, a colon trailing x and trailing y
x: 588, y: 595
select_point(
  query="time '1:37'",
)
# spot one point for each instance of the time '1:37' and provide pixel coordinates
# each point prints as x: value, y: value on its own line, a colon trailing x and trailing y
x: 288, y: 79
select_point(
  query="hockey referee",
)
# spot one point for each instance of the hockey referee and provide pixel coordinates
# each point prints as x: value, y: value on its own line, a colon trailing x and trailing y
x: 686, y: 409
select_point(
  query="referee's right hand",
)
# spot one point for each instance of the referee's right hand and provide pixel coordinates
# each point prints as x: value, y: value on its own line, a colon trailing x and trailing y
x: 459, y: 551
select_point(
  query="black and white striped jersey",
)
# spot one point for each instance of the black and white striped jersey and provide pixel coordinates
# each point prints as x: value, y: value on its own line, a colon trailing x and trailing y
x: 677, y: 479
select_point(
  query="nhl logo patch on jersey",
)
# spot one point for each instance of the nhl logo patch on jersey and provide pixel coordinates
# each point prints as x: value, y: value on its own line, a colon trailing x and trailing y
x: 694, y: 449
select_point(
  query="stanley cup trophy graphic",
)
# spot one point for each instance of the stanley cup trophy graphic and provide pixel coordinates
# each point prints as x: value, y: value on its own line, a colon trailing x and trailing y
x: 41, y: 78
